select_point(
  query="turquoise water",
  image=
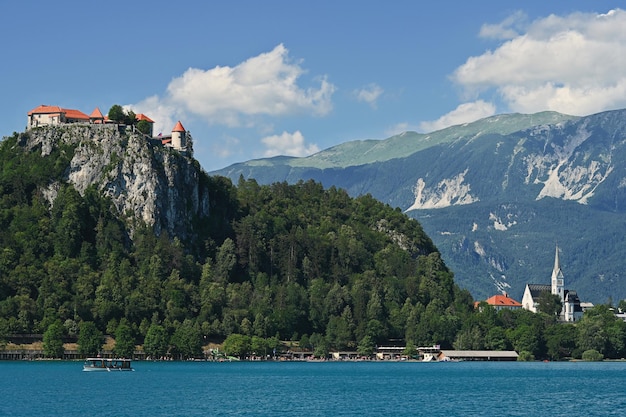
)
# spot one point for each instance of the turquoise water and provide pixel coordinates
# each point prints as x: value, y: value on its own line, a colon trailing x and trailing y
x: 315, y: 389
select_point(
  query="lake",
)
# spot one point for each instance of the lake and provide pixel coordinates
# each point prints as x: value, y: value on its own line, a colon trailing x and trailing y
x: 55, y: 388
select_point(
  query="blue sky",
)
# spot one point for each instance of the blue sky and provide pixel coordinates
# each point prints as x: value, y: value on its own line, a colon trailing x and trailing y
x: 252, y: 79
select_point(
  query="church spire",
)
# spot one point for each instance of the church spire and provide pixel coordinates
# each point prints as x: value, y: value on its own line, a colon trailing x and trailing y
x: 557, y: 266
x: 557, y: 277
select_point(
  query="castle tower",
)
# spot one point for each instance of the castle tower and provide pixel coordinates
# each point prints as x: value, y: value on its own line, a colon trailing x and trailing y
x: 557, y: 277
x: 179, y: 136
x: 96, y: 116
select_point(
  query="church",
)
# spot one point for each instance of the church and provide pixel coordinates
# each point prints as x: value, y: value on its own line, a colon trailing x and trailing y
x: 571, y: 310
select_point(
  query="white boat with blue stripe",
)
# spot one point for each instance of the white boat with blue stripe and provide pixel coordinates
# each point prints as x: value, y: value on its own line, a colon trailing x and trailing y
x: 107, y: 365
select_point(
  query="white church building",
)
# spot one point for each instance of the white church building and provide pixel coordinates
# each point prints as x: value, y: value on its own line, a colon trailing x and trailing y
x: 571, y: 310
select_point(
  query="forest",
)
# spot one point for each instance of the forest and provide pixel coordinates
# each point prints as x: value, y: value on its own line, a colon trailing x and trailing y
x: 272, y: 263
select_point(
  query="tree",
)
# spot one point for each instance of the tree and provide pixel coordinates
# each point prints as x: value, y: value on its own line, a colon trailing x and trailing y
x: 410, y: 350
x: 237, y: 345
x: 144, y: 127
x: 116, y: 113
x: 187, y: 340
x: 4, y: 331
x: 274, y: 344
x: 225, y: 261
x: 130, y: 118
x: 549, y: 303
x: 53, y: 340
x: 305, y: 343
x: 592, y: 329
x: 470, y: 338
x: 366, y: 346
x: 155, y: 344
x: 496, y: 339
x: 320, y: 348
x: 258, y: 346
x: 560, y: 341
x: 90, y: 339
x: 339, y: 330
x: 124, y: 340
x: 524, y: 338
x: 616, y: 333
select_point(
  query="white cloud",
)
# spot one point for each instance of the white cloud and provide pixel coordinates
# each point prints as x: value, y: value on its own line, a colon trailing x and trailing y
x: 464, y: 113
x: 262, y: 85
x: 164, y: 115
x: 507, y: 29
x: 291, y: 144
x: 369, y: 94
x: 573, y: 64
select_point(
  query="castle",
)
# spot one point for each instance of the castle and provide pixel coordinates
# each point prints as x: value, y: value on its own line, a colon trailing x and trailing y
x: 45, y: 115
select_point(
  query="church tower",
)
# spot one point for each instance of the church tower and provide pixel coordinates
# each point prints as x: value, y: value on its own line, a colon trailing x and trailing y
x: 557, y: 277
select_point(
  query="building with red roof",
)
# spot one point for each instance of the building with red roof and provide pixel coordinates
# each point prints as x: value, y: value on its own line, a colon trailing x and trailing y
x: 501, y: 302
x: 45, y: 115
x: 142, y: 117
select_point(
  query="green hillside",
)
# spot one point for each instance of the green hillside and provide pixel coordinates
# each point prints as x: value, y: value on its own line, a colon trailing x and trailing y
x: 271, y: 262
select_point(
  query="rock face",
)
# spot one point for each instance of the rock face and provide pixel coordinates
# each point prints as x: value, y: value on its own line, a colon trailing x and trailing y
x: 146, y: 181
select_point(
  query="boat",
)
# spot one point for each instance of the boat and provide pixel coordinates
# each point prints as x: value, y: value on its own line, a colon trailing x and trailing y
x: 107, y: 365
x: 429, y: 353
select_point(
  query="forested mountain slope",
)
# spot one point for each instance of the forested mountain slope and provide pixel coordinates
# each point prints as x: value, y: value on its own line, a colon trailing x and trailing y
x: 496, y: 195
x: 102, y: 226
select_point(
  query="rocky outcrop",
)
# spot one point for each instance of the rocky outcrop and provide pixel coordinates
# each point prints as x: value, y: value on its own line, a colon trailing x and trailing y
x: 146, y: 181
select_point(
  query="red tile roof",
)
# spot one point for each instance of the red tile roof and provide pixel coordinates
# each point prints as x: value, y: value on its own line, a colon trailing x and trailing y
x: 44, y: 109
x: 142, y: 116
x: 69, y: 113
x: 179, y: 127
x: 502, y: 300
x: 75, y: 114
x: 96, y: 114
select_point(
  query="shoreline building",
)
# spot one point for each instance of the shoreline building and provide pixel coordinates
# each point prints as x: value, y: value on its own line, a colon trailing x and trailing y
x: 571, y: 310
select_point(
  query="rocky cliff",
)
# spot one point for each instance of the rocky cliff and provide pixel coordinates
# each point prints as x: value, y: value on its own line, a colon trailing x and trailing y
x: 146, y: 181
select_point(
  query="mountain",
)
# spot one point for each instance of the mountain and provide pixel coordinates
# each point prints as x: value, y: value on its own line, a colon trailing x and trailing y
x: 495, y: 195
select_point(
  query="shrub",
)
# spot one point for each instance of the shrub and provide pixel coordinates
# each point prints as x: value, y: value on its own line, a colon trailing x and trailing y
x: 592, y: 355
x: 525, y: 356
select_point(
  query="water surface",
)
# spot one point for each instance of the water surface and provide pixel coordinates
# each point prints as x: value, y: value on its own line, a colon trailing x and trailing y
x: 43, y: 388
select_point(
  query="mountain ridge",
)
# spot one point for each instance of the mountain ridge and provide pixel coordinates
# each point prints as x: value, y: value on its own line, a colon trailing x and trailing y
x: 475, y: 172
x: 375, y: 150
